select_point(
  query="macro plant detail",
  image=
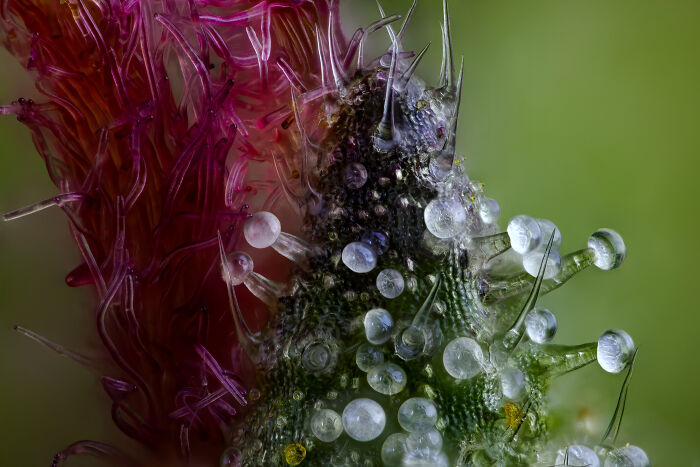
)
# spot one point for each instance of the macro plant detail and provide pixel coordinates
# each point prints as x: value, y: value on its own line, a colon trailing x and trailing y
x: 291, y: 264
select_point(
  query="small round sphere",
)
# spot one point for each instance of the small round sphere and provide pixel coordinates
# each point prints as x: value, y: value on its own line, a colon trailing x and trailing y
x: 578, y: 456
x: 525, y: 234
x: 438, y: 459
x: 540, y: 325
x: 547, y: 227
x: 627, y: 456
x: 355, y: 175
x: 364, y: 419
x: 368, y: 356
x: 512, y: 383
x: 238, y: 266
x: 262, y: 230
x: 359, y: 257
x: 463, y: 358
x: 377, y: 240
x: 394, y: 449
x: 390, y: 283
x: 445, y: 217
x: 417, y: 414
x: 533, y: 260
x: 424, y: 442
x: 608, y: 249
x: 326, y: 425
x: 489, y: 210
x: 615, y: 350
x: 378, y: 325
x: 387, y: 378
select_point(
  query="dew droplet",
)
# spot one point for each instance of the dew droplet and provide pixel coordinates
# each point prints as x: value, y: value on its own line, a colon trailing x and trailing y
x: 525, y: 234
x: 445, y: 217
x: 615, y: 350
x: 368, y: 356
x: 378, y: 326
x: 387, y: 378
x: 463, y: 358
x: 394, y: 449
x: 359, y: 257
x: 238, y: 266
x: 627, y: 456
x: 326, y: 425
x: 417, y: 414
x: 512, y: 383
x: 540, y: 325
x: 424, y: 443
x: 262, y: 230
x: 355, y: 175
x: 363, y: 419
x: 608, y: 249
x: 577, y: 455
x: 533, y: 260
x: 377, y: 240
x: 390, y: 283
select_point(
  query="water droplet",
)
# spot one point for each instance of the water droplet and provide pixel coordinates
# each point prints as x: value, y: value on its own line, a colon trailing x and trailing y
x: 359, y: 257
x: 326, y: 425
x: 489, y: 210
x: 316, y: 357
x: 424, y: 442
x: 387, y: 378
x: 239, y: 266
x: 394, y: 449
x: 627, y: 456
x: 533, y: 260
x: 378, y: 325
x: 445, y: 217
x: 417, y: 414
x: 368, y: 356
x: 262, y: 230
x: 615, y: 350
x: 463, y: 358
x: 578, y: 456
x: 540, y: 325
x: 377, y: 240
x: 364, y: 419
x: 512, y: 383
x: 608, y: 249
x: 390, y: 283
x: 355, y: 175
x: 525, y: 234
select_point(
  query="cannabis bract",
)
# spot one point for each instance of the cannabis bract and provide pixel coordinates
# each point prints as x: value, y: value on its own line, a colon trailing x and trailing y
x: 291, y: 265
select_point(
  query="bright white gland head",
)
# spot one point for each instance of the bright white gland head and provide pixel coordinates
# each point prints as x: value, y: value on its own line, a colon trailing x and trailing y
x: 540, y: 325
x: 378, y: 326
x: 262, y: 229
x: 463, y: 358
x: 615, y: 350
x: 627, y: 456
x: 608, y: 249
x: 445, y: 217
x: 578, y: 455
x: 387, y: 378
x: 524, y: 233
x: 390, y: 283
x: 326, y: 425
x: 512, y: 383
x: 359, y: 257
x: 237, y: 267
x: 417, y: 414
x: 363, y: 419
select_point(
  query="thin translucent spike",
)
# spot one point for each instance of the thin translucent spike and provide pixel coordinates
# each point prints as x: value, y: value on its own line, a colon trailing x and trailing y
x: 268, y: 291
x: 60, y: 201
x: 384, y: 134
x: 407, y: 20
x: 321, y: 57
x: 515, y: 333
x: 556, y: 360
x: 405, y: 78
x: 443, y: 65
x: 441, y: 165
x: 59, y: 349
x: 232, y: 387
x: 375, y: 26
x: 490, y: 246
x: 613, y: 429
x: 336, y: 69
x: 305, y: 181
x: 448, y: 57
x: 248, y: 339
x: 413, y: 339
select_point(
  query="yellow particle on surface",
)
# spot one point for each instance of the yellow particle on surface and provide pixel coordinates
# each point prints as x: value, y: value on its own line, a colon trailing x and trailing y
x: 294, y: 453
x: 513, y: 415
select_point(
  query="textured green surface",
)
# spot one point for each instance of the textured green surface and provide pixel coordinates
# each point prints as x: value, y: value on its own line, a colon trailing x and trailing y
x: 582, y: 112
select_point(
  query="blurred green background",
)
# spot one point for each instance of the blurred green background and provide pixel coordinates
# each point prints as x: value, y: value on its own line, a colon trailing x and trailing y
x: 583, y: 112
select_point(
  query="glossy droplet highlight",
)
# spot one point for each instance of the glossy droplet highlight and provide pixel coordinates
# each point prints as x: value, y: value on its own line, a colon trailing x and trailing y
x: 541, y: 325
x: 326, y: 425
x: 627, y: 456
x: 615, y: 350
x: 368, y: 356
x: 525, y: 234
x: 445, y: 217
x: 239, y: 265
x: 608, y: 249
x: 262, y: 230
x: 417, y: 414
x: 512, y: 383
x: 394, y: 449
x: 364, y: 419
x: 424, y: 443
x: 533, y: 260
x: 359, y: 257
x: 378, y: 326
x: 387, y: 378
x: 355, y: 175
x: 463, y: 358
x: 578, y: 456
x: 390, y: 283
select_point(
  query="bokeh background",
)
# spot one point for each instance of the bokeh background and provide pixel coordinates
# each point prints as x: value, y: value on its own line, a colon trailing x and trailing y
x: 584, y: 112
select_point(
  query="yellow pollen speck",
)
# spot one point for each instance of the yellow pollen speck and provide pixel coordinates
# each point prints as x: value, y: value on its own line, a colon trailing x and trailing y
x: 294, y: 453
x: 513, y: 415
